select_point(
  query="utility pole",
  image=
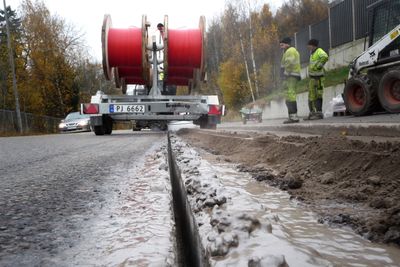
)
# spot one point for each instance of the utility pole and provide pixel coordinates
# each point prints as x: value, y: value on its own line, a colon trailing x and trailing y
x: 10, y: 54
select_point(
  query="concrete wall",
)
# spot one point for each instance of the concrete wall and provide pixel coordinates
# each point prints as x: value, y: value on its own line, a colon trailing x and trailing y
x: 276, y: 109
x: 342, y: 55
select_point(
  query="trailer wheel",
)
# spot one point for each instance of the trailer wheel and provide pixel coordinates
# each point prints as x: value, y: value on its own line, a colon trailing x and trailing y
x: 360, y: 96
x: 107, y: 125
x: 108, y: 130
x: 98, y: 130
x: 204, y: 124
x: 389, y: 91
x: 212, y: 126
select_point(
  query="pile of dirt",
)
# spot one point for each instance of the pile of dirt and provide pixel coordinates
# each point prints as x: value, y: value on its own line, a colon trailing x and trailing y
x: 345, y: 181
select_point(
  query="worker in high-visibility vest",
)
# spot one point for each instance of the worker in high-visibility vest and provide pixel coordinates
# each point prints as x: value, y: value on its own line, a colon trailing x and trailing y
x: 316, y: 72
x: 290, y: 73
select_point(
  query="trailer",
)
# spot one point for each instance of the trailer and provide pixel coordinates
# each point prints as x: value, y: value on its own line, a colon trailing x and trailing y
x: 167, y: 59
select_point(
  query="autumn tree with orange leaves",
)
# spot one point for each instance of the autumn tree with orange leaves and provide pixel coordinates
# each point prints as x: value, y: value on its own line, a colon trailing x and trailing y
x: 243, y: 46
x: 54, y: 71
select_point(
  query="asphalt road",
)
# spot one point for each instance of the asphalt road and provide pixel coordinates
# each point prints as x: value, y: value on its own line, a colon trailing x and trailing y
x: 50, y: 185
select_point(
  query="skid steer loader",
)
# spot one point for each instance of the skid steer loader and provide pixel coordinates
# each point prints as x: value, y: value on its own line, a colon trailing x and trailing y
x: 374, y: 77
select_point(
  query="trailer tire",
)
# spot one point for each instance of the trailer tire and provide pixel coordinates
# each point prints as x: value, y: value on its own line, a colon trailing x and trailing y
x: 204, y: 124
x: 107, y: 125
x: 212, y: 126
x: 209, y: 126
x: 360, y: 96
x: 108, y: 131
x: 98, y: 130
x: 389, y: 91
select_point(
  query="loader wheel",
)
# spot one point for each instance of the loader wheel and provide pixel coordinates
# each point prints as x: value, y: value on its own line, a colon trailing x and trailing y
x: 360, y: 96
x: 389, y: 91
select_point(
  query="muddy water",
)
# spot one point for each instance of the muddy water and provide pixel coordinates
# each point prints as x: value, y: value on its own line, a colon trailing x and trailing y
x: 295, y: 231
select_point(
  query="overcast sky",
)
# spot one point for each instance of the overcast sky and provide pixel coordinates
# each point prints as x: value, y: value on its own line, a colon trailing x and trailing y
x: 87, y: 15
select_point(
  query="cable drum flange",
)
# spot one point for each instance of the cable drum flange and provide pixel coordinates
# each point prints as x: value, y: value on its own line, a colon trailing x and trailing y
x: 104, y: 37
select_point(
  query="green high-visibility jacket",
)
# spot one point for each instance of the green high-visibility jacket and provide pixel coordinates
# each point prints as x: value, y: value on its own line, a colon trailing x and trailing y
x: 291, y: 62
x: 317, y: 61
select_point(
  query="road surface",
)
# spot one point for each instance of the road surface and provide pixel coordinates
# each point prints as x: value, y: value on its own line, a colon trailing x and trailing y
x: 59, y: 193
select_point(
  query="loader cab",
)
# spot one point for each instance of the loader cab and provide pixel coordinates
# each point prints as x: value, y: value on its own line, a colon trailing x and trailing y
x: 384, y: 16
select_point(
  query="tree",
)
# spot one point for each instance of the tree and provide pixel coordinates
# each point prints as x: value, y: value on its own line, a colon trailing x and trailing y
x: 7, y: 98
x: 89, y: 79
x: 51, y: 52
x: 232, y: 83
x: 296, y: 14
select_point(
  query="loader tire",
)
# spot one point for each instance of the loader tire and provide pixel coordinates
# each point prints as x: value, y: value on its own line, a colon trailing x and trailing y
x: 389, y: 91
x: 360, y: 96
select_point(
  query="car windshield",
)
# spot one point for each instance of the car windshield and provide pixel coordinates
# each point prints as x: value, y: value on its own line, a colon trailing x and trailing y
x: 76, y: 116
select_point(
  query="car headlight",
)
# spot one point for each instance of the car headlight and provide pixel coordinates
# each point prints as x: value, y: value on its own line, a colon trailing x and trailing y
x: 61, y: 125
x: 83, y: 123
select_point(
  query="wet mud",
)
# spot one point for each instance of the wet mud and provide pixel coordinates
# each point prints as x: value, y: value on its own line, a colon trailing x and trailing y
x: 243, y: 222
x: 346, y: 182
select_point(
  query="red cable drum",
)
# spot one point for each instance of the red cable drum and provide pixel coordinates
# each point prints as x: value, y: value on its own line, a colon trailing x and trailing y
x: 128, y: 75
x: 183, y: 72
x: 124, y: 50
x: 178, y: 81
x: 125, y: 47
x: 184, y: 53
x: 185, y: 48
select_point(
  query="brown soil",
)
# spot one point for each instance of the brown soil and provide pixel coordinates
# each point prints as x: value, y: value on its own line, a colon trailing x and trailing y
x: 345, y: 181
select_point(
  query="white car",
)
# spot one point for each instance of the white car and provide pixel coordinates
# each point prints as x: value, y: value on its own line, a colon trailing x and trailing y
x: 75, y: 122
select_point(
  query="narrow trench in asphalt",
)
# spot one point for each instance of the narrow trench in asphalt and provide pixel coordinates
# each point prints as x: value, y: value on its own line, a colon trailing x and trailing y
x: 189, y: 251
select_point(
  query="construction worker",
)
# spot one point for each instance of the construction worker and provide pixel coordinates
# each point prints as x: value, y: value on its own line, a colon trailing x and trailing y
x: 316, y: 73
x: 160, y: 28
x: 290, y: 73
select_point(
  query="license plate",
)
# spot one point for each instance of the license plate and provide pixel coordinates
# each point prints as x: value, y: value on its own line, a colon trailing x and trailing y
x: 127, y: 108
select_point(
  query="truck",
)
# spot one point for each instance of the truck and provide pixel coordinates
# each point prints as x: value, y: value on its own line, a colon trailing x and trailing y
x: 157, y: 64
x: 374, y: 76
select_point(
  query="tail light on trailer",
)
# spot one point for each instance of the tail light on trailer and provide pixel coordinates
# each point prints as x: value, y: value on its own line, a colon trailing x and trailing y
x: 90, y: 108
x: 214, y: 110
